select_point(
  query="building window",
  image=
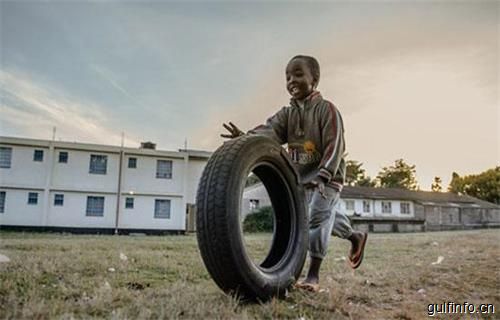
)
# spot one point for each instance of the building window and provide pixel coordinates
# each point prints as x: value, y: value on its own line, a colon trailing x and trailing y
x: 386, y: 207
x: 405, y: 208
x: 2, y: 201
x: 132, y: 163
x: 164, y: 169
x: 63, y: 157
x: 95, y: 206
x: 32, y: 198
x: 254, y: 204
x: 98, y: 164
x: 366, y: 206
x: 58, y: 199
x: 38, y: 155
x: 162, y: 209
x: 349, y: 205
x: 5, y: 157
x: 129, y: 203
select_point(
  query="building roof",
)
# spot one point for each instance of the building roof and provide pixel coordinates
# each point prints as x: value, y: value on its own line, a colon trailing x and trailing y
x: 201, y: 154
x: 192, y: 154
x: 423, y: 197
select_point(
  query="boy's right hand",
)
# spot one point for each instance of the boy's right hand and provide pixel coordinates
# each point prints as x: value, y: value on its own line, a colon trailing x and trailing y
x: 234, y: 130
x: 318, y: 183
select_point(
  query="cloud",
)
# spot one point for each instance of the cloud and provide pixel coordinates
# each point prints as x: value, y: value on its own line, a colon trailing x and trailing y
x: 34, y: 109
x: 106, y: 75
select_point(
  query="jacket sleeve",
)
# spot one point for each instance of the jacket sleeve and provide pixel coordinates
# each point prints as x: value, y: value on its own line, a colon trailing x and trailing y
x: 332, y: 135
x: 275, y: 127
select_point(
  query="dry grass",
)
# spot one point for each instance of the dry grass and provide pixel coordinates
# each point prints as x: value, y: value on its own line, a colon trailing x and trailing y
x: 69, y: 276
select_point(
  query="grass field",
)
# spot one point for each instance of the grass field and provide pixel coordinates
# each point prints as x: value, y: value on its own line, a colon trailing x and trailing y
x: 85, y: 276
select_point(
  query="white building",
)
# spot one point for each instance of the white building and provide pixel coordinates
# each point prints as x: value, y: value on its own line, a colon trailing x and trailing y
x: 399, y: 210
x: 53, y: 184
x: 352, y: 202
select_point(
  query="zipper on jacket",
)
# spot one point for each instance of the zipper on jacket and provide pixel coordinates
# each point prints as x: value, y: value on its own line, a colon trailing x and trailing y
x: 300, y: 132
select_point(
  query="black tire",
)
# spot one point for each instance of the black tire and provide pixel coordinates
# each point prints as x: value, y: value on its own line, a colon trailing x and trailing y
x: 219, y: 230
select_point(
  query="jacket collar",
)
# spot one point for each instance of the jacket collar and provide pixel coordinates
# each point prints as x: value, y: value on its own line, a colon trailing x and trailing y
x: 310, y: 100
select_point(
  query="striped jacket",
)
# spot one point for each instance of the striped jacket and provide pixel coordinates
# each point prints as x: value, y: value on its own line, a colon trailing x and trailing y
x: 315, y: 137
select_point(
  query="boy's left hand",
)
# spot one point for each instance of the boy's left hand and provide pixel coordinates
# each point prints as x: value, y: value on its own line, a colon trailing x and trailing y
x: 233, y: 130
x: 317, y: 183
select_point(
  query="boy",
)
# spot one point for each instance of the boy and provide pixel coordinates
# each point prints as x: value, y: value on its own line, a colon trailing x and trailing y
x: 314, y: 131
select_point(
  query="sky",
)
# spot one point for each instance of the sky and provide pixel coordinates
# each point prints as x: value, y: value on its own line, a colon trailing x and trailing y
x: 417, y: 80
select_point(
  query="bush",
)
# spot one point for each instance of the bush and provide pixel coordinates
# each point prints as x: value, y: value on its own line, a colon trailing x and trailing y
x: 259, y: 221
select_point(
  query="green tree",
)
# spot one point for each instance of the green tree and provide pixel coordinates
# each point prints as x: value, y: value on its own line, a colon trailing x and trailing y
x: 485, y: 185
x: 456, y: 184
x: 436, y: 185
x: 400, y: 175
x: 261, y: 220
x: 356, y: 175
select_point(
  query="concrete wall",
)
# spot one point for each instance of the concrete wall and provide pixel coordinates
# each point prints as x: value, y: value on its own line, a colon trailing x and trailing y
x: 410, y: 227
x: 388, y: 225
x: 471, y: 216
x: 195, y: 169
x: 383, y: 227
x: 432, y: 216
x: 364, y: 227
x: 143, y: 178
x: 17, y: 211
x: 73, y: 212
x: 142, y: 215
x: 492, y: 217
x: 457, y: 218
x: 24, y: 172
x: 74, y: 175
x: 450, y: 215
x: 419, y: 211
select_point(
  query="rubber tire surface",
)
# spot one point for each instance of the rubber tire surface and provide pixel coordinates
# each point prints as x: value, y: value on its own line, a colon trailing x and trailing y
x: 219, y: 230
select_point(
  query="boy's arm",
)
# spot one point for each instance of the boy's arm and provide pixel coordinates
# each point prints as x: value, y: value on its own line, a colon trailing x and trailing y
x: 276, y: 127
x: 332, y: 131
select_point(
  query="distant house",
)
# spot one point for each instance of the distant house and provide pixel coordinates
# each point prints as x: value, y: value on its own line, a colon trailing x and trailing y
x: 78, y: 186
x: 395, y: 209
x: 400, y: 210
x: 254, y: 198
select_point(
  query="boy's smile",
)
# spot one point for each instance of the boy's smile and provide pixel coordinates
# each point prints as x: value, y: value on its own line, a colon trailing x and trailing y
x: 299, y: 79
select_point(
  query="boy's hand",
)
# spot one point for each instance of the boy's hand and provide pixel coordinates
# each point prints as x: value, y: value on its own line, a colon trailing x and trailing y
x: 234, y: 130
x: 317, y: 183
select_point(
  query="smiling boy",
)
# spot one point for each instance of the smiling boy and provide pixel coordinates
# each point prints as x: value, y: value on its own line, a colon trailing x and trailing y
x: 313, y: 129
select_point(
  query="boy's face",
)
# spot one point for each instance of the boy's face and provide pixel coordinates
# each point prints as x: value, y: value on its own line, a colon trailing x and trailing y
x: 299, y: 79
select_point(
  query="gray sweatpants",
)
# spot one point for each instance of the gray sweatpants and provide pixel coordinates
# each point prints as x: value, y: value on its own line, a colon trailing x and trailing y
x: 323, y: 216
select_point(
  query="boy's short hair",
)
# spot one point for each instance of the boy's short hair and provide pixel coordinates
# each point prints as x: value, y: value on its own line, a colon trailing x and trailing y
x: 313, y: 65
